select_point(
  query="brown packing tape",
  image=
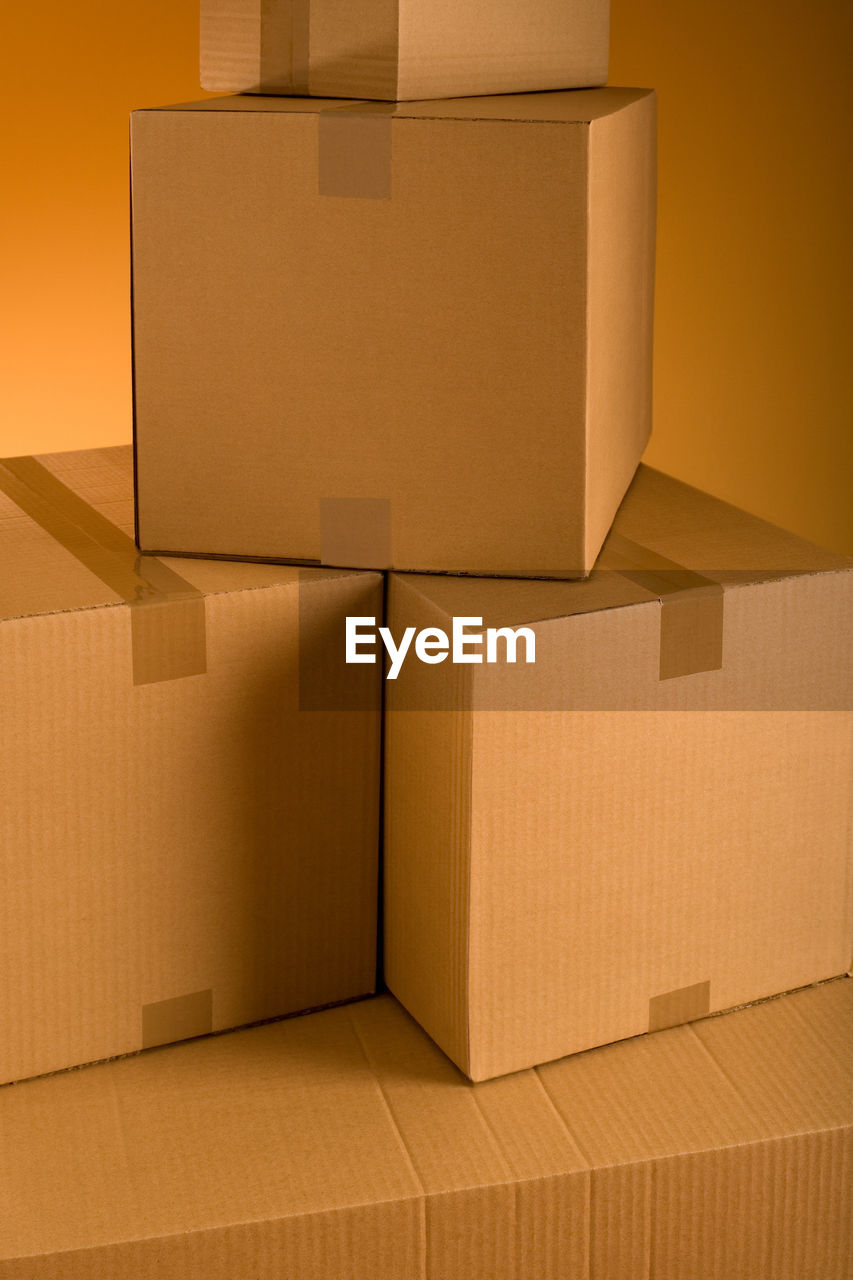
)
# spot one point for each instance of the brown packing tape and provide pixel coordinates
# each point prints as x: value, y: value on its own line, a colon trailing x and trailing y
x: 354, y: 151
x: 300, y: 45
x: 692, y: 608
x: 676, y: 1007
x: 355, y: 533
x: 285, y: 46
x: 167, y: 614
x: 181, y: 1018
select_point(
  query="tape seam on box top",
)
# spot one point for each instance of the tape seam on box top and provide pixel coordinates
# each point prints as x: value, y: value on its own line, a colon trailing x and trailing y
x: 692, y: 607
x: 167, y: 613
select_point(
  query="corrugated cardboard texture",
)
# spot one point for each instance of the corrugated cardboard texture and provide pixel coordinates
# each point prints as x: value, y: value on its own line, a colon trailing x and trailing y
x: 658, y: 809
x: 433, y: 291
x: 344, y: 1145
x: 398, y: 49
x: 170, y: 832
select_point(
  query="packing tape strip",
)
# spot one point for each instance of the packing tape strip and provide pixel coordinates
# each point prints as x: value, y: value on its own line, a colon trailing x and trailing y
x: 692, y: 607
x: 675, y: 1007
x: 181, y: 1018
x: 354, y: 151
x: 355, y: 533
x: 285, y: 46
x: 167, y: 614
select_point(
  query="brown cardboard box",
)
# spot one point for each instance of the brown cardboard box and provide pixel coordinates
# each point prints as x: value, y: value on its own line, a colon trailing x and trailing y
x: 344, y: 313
x: 186, y: 845
x: 403, y: 48
x: 650, y: 823
x: 344, y: 1146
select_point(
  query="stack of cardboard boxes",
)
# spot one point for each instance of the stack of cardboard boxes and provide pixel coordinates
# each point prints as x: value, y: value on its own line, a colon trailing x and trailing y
x: 392, y: 351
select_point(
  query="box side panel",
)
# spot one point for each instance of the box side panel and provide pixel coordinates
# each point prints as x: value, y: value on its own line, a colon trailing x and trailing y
x: 184, y: 855
x: 427, y: 842
x: 623, y: 861
x: 423, y: 336
x: 622, y: 228
x: 230, y: 38
x: 451, y: 49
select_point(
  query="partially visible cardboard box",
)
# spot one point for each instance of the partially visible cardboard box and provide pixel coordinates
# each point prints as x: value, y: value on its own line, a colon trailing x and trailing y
x: 649, y: 823
x: 341, y: 317
x: 186, y: 843
x: 344, y: 1146
x: 403, y: 48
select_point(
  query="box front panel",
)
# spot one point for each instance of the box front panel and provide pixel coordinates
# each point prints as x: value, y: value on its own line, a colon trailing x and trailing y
x: 180, y: 855
x: 636, y: 869
x: 386, y: 341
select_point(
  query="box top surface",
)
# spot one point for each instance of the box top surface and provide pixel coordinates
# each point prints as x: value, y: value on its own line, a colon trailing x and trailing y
x: 667, y: 535
x: 66, y: 541
x: 570, y: 106
x: 356, y: 1107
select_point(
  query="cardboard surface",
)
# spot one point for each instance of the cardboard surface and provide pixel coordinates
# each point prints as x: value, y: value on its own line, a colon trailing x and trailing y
x: 651, y: 822
x: 186, y: 846
x: 398, y: 49
x: 343, y: 311
x: 345, y: 1145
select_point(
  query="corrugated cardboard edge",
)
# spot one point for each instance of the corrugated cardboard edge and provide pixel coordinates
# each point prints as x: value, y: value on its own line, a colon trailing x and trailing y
x: 167, y: 614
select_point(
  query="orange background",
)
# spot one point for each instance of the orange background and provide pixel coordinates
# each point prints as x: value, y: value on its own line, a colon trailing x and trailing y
x: 754, y: 371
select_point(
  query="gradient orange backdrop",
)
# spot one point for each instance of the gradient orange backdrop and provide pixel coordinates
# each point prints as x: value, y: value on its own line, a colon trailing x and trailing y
x: 754, y: 369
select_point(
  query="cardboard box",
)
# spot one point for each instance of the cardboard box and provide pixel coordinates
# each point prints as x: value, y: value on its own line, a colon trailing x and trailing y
x: 186, y: 844
x: 342, y: 313
x: 344, y: 1146
x: 650, y: 823
x: 403, y: 48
